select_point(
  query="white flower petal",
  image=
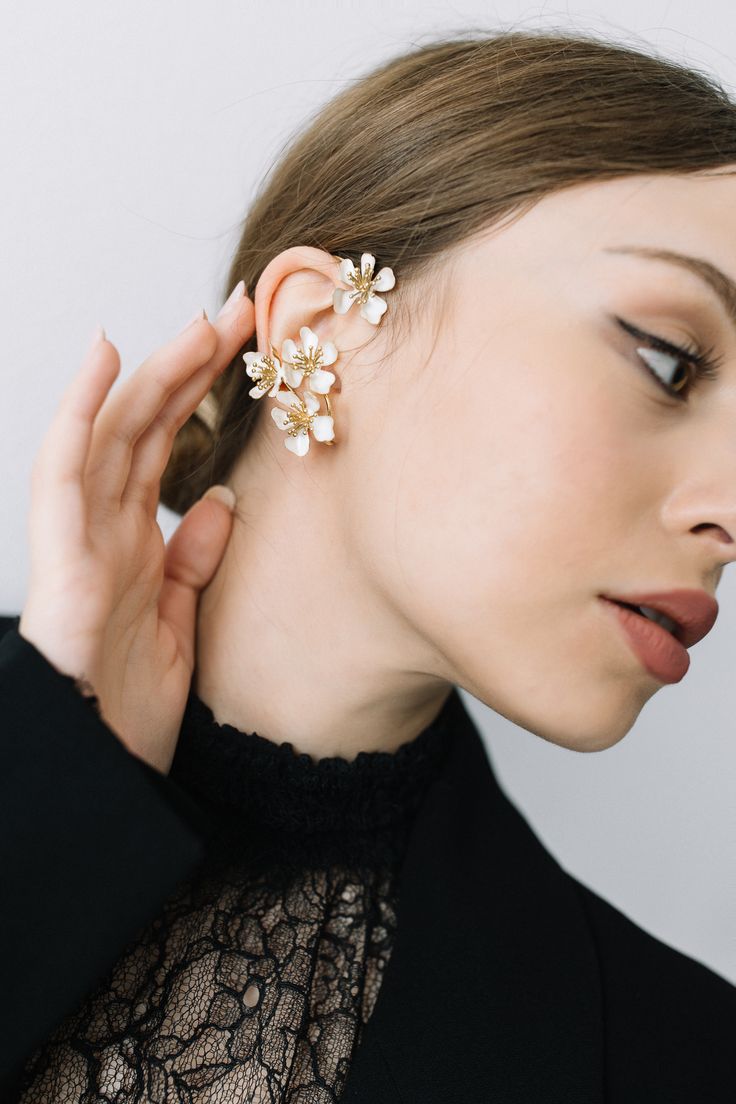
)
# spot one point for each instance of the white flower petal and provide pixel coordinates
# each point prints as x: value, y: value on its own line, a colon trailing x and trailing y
x: 280, y: 417
x: 288, y: 398
x: 374, y: 309
x: 299, y: 445
x: 273, y: 393
x: 341, y: 300
x: 293, y: 376
x: 367, y: 261
x: 257, y: 392
x: 323, y: 428
x: 346, y: 269
x: 320, y: 381
x: 311, y: 402
x: 329, y: 352
x: 251, y: 358
x: 385, y: 280
x: 288, y: 349
x: 308, y: 339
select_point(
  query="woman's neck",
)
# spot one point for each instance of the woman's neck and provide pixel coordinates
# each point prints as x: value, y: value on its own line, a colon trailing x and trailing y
x: 295, y: 640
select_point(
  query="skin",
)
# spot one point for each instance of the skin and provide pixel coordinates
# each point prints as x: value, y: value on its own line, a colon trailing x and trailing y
x: 509, y: 463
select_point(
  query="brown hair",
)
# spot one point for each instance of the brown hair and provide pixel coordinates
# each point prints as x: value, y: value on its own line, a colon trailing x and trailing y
x: 436, y: 144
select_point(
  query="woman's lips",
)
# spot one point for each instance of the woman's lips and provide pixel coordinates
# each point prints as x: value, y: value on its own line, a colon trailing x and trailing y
x: 655, y: 647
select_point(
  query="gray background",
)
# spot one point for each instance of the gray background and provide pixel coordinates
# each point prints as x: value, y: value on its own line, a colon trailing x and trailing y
x: 132, y: 139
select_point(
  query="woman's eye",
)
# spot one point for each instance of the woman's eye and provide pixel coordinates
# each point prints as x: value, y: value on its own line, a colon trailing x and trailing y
x: 675, y: 368
x: 660, y: 362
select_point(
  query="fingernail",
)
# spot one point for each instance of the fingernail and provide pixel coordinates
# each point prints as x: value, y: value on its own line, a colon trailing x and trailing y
x: 223, y: 494
x: 201, y: 313
x: 99, y: 335
x: 234, y: 297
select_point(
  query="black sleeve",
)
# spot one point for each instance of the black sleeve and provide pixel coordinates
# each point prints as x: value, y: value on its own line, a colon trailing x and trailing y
x: 92, y: 842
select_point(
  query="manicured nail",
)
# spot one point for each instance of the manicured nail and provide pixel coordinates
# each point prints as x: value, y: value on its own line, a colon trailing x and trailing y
x: 201, y: 313
x: 234, y: 297
x: 99, y: 335
x: 223, y: 494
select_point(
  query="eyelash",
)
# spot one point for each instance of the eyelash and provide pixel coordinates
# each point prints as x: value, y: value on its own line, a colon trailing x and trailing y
x: 705, y: 365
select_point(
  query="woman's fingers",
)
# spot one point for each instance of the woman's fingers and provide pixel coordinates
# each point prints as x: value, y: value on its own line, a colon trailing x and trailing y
x: 131, y: 408
x: 58, y: 470
x: 193, y: 554
x: 153, y: 448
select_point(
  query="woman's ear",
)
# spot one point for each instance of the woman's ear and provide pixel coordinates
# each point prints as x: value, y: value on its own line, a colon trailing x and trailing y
x: 295, y: 289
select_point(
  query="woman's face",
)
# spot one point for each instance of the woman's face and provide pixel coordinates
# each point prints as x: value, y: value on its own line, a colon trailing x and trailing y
x: 532, y: 463
x: 508, y: 463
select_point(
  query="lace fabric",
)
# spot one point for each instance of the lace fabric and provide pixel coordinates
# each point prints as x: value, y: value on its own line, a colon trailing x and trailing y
x: 254, y: 981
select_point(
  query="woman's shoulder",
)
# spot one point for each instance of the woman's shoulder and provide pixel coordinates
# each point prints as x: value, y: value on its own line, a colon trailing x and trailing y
x: 7, y: 622
x: 632, y: 949
x: 657, y: 999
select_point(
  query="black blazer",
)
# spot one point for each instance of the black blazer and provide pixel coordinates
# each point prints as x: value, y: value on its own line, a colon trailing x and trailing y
x: 510, y: 981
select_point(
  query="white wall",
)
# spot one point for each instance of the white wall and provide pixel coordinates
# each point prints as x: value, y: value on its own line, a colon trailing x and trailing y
x: 132, y: 138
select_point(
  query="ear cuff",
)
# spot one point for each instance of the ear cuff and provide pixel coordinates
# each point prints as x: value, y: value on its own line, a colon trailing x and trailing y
x: 307, y: 362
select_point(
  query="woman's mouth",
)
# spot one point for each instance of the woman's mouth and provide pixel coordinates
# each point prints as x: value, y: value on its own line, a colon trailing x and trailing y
x: 657, y: 649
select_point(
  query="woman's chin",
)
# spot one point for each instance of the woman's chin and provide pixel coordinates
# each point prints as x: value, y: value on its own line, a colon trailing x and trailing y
x: 577, y: 726
x: 598, y: 734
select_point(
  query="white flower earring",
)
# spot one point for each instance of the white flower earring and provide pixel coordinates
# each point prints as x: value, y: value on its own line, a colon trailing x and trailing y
x: 308, y: 362
x: 365, y: 286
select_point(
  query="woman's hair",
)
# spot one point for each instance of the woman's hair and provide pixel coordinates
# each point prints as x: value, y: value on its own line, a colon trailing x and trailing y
x: 434, y: 145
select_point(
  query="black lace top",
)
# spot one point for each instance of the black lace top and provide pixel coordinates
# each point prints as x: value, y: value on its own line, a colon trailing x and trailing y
x: 254, y: 981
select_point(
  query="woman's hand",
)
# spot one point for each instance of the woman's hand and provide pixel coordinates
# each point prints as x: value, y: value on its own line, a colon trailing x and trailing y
x: 109, y: 602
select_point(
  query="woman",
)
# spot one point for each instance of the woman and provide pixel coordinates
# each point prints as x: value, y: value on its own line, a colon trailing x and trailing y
x: 531, y: 430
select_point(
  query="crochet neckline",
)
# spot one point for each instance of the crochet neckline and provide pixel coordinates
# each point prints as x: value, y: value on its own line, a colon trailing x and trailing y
x: 278, y: 788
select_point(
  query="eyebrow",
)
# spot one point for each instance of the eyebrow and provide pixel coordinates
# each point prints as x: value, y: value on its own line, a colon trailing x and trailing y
x: 717, y: 281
